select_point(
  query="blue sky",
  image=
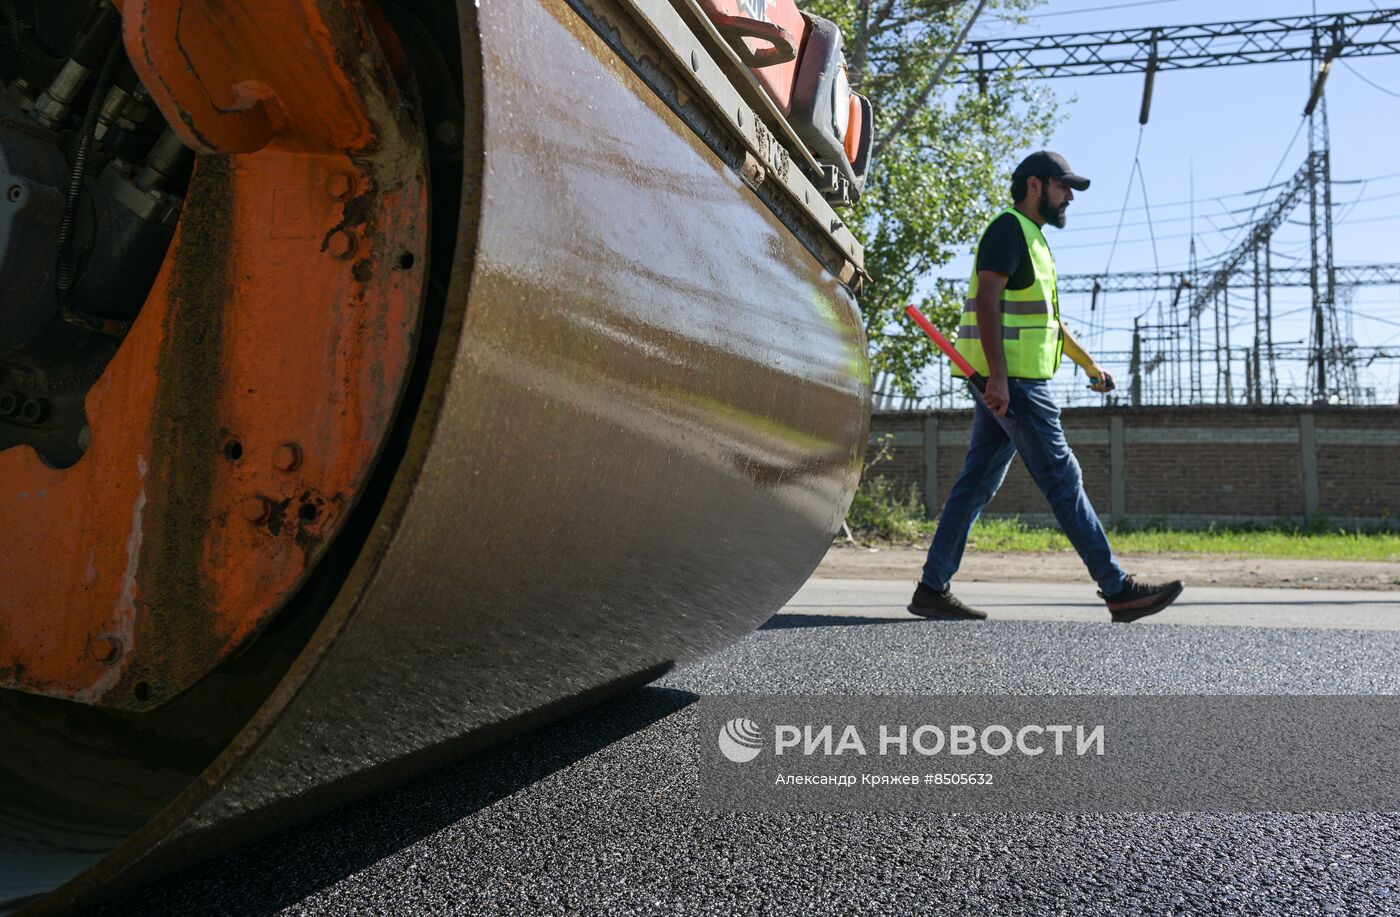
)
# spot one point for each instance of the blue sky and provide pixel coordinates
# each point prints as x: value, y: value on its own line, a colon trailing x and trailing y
x: 1213, y: 134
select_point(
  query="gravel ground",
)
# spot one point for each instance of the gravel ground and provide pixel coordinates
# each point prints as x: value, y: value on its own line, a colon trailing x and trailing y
x: 598, y: 814
x: 900, y: 562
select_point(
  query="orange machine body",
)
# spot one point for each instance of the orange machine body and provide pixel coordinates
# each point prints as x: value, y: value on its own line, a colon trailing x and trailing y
x: 748, y: 21
x: 212, y: 482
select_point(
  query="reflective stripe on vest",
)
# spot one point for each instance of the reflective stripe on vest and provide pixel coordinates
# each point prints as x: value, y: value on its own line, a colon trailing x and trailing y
x: 1030, y: 318
x: 1034, y: 307
x: 973, y: 333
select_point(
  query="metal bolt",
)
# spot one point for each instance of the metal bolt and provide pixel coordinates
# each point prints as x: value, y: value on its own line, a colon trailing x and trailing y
x: 287, y: 457
x: 695, y: 61
x: 106, y: 648
x: 341, y: 186
x: 256, y: 509
x: 341, y: 244
x: 752, y: 171
x: 741, y: 117
x: 448, y: 132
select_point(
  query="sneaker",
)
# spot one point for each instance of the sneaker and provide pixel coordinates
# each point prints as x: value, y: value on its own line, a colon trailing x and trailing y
x: 1138, y: 600
x: 942, y: 606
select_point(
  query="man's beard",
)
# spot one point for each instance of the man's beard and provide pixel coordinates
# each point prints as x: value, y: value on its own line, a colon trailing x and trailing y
x: 1052, y: 215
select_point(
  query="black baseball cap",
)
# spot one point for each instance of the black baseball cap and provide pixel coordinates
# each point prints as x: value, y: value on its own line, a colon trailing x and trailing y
x: 1045, y: 164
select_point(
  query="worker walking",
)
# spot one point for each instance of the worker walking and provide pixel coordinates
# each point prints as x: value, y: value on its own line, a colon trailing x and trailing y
x: 1011, y: 333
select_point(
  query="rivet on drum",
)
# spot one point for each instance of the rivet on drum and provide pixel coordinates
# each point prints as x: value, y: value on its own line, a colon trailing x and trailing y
x: 106, y: 648
x: 287, y: 457
x: 256, y: 509
x: 341, y: 244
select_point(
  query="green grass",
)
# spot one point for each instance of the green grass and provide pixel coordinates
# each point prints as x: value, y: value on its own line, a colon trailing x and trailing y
x: 879, y: 516
x: 1318, y: 542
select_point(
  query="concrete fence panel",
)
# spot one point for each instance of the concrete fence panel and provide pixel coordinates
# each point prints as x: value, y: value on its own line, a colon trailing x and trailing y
x: 1189, y: 466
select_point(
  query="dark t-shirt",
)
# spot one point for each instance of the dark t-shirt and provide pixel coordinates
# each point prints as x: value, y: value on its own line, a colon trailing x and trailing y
x: 1003, y: 249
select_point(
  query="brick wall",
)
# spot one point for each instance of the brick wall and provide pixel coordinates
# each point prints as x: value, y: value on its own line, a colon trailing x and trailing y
x: 1183, y: 465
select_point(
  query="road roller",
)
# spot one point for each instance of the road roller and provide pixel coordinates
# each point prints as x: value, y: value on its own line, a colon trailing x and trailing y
x: 382, y: 378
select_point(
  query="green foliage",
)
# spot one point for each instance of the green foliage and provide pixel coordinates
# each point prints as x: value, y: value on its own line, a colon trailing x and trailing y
x: 1317, y: 540
x: 878, y: 514
x: 943, y: 159
x: 1012, y: 535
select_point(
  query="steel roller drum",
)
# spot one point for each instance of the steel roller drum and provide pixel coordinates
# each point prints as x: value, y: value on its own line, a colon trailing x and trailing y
x: 641, y: 426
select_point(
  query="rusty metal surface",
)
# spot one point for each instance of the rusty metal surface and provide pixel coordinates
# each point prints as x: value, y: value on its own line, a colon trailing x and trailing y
x: 284, y: 318
x: 644, y: 423
x: 238, y: 77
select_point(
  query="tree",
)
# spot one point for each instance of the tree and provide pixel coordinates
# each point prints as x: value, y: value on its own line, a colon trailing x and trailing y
x: 943, y: 156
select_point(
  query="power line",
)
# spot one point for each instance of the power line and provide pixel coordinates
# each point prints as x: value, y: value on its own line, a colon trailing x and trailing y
x: 1177, y: 235
x: 1249, y: 228
x: 1127, y: 191
x: 1182, y: 47
x: 1388, y: 216
x: 1270, y: 184
x: 1347, y: 207
x: 1383, y: 274
x: 1096, y: 9
x: 1221, y: 197
x: 1363, y: 79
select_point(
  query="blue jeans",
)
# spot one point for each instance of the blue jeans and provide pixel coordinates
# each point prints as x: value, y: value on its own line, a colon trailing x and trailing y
x: 1031, y: 428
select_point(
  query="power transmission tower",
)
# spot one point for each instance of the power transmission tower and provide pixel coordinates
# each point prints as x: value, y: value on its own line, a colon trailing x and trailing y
x: 1177, y: 282
x: 1182, y: 47
x: 1319, y: 39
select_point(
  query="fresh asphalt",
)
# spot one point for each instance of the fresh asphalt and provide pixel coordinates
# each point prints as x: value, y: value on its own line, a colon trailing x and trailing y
x: 599, y: 814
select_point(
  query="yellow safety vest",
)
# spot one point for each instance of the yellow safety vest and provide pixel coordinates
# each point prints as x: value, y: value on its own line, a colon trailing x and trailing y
x: 1030, y: 318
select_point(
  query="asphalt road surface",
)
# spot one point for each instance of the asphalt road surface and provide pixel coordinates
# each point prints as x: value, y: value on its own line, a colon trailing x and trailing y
x: 599, y: 814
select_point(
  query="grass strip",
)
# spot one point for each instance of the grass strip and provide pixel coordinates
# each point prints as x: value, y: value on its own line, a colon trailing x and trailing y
x: 880, y: 516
